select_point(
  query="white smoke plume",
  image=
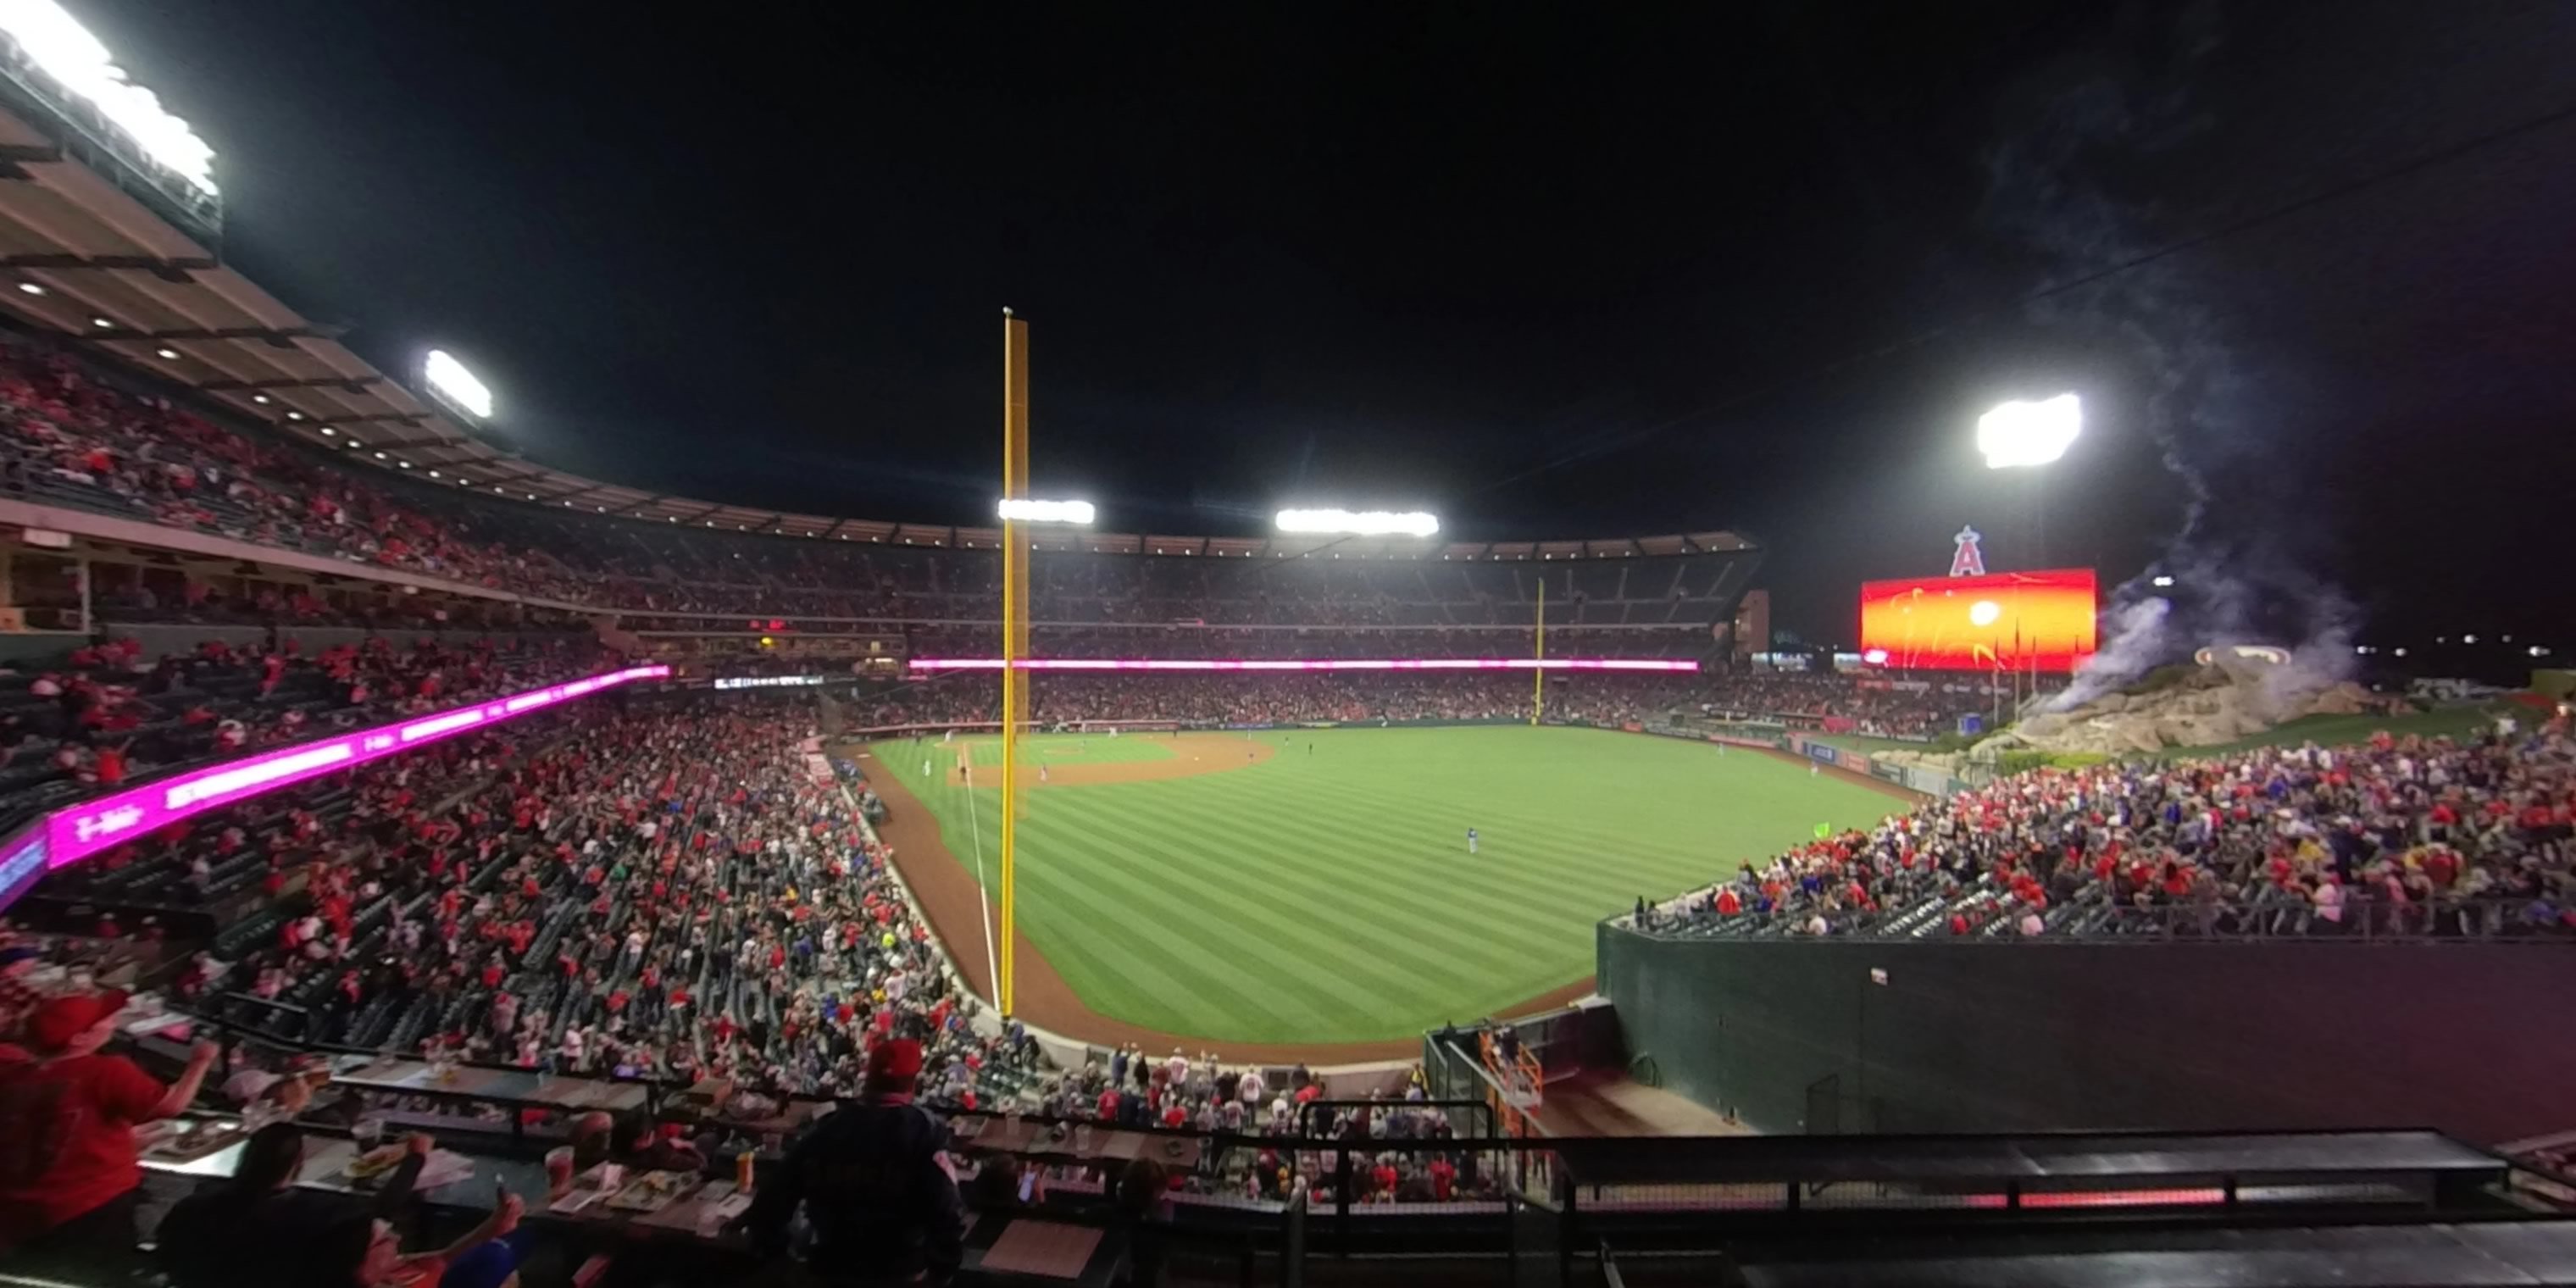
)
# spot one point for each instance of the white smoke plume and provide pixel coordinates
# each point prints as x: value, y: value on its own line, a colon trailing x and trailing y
x: 2234, y: 579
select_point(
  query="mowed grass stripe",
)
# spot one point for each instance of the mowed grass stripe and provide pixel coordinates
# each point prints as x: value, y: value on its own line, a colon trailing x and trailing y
x: 1350, y: 860
x: 1355, y: 868
x: 1469, y: 952
x: 1575, y: 936
x: 1522, y: 832
x: 1468, y: 882
x: 1521, y: 835
x: 1101, y: 851
x: 1395, y: 964
x: 1056, y: 928
x: 1369, y: 975
x: 1158, y: 920
x: 1481, y: 951
x: 1115, y: 935
x: 1077, y: 867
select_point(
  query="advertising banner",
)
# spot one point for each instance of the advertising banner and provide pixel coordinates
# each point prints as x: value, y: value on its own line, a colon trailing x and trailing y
x: 2019, y: 621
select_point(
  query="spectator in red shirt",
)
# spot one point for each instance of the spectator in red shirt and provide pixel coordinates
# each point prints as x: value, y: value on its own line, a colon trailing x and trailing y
x: 69, y: 1179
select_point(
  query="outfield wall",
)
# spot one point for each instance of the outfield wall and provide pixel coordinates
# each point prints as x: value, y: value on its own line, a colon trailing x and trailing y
x: 1796, y: 1035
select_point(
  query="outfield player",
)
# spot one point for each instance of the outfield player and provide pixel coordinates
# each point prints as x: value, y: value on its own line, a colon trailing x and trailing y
x: 1471, y: 840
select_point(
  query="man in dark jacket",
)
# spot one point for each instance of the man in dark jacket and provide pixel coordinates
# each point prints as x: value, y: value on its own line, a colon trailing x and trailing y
x: 883, y: 1205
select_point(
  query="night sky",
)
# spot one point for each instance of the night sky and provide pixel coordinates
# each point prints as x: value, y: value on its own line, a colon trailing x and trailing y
x: 1570, y: 271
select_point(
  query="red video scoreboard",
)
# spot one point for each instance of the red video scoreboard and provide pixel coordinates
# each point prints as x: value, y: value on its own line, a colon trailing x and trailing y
x: 2014, y: 620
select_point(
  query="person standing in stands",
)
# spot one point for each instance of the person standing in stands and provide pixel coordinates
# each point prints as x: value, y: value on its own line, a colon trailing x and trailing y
x: 69, y: 1176
x: 883, y: 1206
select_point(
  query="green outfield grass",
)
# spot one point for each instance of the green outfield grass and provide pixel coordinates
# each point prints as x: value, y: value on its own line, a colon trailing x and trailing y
x: 1327, y: 895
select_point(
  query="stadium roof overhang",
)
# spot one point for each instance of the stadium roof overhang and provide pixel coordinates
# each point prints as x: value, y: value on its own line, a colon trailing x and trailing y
x: 88, y: 262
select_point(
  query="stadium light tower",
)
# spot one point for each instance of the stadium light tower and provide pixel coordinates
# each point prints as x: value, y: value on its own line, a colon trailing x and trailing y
x: 1365, y: 523
x: 2023, y: 433
x: 455, y: 385
x: 1027, y: 510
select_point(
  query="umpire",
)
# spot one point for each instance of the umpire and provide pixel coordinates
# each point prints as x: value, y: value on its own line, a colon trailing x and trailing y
x: 883, y: 1207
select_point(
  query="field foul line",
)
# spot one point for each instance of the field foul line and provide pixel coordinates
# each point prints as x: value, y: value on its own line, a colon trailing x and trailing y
x: 983, y: 892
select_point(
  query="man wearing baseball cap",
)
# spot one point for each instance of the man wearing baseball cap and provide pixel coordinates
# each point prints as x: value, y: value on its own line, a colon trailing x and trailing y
x: 883, y: 1206
x: 69, y: 1178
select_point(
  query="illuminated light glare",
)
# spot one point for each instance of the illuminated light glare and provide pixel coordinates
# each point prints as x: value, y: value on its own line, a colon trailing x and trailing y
x: 2400, y: 650
x: 2468, y: 639
x: 75, y: 833
x: 261, y: 399
x: 2023, y: 433
x: 1029, y: 510
x: 295, y: 415
x: 1309, y: 664
x: 449, y: 379
x: 2162, y: 581
x: 102, y: 323
x: 327, y: 431
x: 436, y: 725
x: 1875, y: 657
x: 64, y: 50
x: 30, y: 288
x: 1363, y: 523
x: 167, y: 354
x: 1984, y: 612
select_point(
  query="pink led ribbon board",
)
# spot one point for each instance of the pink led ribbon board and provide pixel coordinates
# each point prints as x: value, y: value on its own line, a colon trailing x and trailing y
x: 1310, y: 664
x: 77, y: 832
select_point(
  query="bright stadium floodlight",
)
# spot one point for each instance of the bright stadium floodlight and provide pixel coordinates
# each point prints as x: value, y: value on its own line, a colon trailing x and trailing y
x: 63, y: 50
x: 1025, y: 510
x: 2029, y: 433
x: 449, y: 379
x: 1364, y: 523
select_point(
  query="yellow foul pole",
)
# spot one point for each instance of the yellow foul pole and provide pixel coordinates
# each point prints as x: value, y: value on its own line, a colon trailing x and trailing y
x: 1015, y: 631
x: 1538, y: 675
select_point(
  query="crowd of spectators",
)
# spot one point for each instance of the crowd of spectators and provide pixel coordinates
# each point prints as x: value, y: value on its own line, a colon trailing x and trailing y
x: 1349, y: 697
x: 108, y: 712
x: 668, y: 893
x: 72, y: 436
x: 2399, y: 837
x: 69, y: 434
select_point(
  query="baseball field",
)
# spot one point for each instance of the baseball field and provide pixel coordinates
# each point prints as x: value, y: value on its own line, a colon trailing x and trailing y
x: 1292, y: 889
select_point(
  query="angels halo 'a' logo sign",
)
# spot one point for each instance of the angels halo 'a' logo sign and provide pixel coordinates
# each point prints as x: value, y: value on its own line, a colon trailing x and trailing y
x: 1966, y: 560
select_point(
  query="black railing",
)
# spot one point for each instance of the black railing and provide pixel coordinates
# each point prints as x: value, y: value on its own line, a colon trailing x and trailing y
x: 2481, y: 920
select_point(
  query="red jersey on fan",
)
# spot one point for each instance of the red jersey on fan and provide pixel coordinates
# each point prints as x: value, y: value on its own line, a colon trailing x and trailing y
x: 67, y: 1138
